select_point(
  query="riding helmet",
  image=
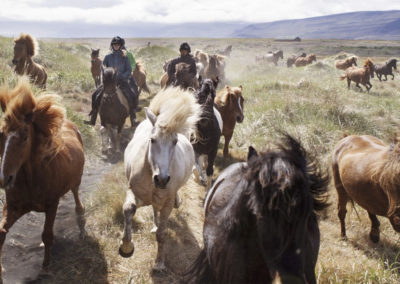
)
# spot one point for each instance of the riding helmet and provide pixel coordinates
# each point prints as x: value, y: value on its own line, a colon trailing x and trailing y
x: 185, y: 46
x: 117, y: 40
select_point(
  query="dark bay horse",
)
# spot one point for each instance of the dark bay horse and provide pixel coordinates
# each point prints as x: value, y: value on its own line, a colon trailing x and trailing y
x: 360, y: 75
x: 367, y: 171
x: 95, y: 68
x: 209, y: 129
x: 114, y: 110
x: 42, y: 159
x: 260, y: 220
x: 385, y: 69
x: 24, y: 49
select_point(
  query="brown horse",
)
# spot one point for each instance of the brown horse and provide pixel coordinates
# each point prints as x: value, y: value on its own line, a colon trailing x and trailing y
x: 292, y: 59
x: 95, y: 68
x: 344, y: 64
x: 360, y: 75
x: 229, y: 102
x: 303, y: 61
x: 24, y: 49
x: 139, y: 74
x: 42, y: 159
x: 367, y: 171
x: 182, y: 78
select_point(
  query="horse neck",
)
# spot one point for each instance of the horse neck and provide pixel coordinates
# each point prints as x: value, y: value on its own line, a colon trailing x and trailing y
x: 21, y: 66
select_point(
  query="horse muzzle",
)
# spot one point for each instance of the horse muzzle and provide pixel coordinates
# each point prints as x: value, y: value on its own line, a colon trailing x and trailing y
x: 7, y: 181
x: 239, y: 118
x: 14, y: 61
x: 161, y: 182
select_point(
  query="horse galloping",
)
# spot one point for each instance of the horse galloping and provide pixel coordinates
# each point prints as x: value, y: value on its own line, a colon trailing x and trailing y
x: 260, y: 220
x: 96, y: 65
x: 24, y: 49
x: 42, y: 159
x: 292, y: 59
x: 139, y: 74
x: 303, y: 61
x: 360, y: 75
x: 385, y: 69
x: 273, y: 57
x: 215, y: 68
x: 344, y: 64
x: 158, y: 161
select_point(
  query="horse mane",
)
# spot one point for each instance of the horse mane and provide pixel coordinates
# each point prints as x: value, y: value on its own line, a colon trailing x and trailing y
x: 32, y: 47
x: 224, y: 98
x: 368, y: 62
x: 140, y: 66
x: 177, y: 111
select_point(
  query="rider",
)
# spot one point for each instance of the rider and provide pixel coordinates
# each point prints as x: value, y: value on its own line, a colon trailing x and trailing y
x: 117, y: 58
x: 185, y: 57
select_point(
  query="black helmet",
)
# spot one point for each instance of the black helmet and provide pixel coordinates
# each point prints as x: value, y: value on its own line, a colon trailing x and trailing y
x: 117, y: 40
x: 185, y: 46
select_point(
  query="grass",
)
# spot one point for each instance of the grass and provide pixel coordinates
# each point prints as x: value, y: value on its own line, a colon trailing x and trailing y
x: 311, y: 103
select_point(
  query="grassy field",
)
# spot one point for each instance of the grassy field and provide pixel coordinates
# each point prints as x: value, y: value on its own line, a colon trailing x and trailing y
x: 310, y: 103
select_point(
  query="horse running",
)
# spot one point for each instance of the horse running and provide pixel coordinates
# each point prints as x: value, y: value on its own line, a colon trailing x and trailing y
x: 24, y: 49
x: 367, y: 171
x: 260, y: 220
x: 96, y: 65
x: 229, y: 102
x: 158, y: 161
x: 273, y: 57
x: 139, y: 74
x: 303, y: 61
x: 113, y: 110
x: 209, y: 129
x: 344, y: 64
x: 42, y: 159
x: 292, y: 59
x: 360, y: 75
x: 385, y: 69
x: 215, y: 68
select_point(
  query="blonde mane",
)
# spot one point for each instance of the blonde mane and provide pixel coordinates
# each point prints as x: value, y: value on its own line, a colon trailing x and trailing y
x: 177, y: 111
x: 223, y: 95
x: 32, y: 47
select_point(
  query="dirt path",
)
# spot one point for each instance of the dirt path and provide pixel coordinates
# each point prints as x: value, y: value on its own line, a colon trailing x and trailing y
x: 22, y: 254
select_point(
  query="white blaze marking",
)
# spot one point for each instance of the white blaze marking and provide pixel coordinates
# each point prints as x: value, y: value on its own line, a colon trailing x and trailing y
x: 12, y: 134
x: 240, y: 107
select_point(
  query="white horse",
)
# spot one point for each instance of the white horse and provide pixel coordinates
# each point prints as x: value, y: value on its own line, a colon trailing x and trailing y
x: 158, y: 161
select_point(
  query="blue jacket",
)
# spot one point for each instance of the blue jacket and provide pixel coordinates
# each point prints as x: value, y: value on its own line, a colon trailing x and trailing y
x: 118, y: 60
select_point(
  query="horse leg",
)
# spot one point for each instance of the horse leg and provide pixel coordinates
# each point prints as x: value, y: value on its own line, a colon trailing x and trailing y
x: 161, y: 235
x: 104, y: 140
x: 348, y: 83
x: 374, y: 233
x: 343, y: 198
x: 202, y: 180
x: 392, y: 76
x: 118, y: 140
x: 385, y: 77
x: 379, y: 76
x: 226, y: 146
x: 210, y: 167
x: 197, y: 168
x: 358, y: 85
x: 8, y: 219
x: 47, y: 235
x: 126, y: 247
x: 156, y: 220
x: 178, y: 201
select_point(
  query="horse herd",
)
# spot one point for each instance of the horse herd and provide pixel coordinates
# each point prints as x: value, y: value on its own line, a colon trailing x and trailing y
x: 260, y: 215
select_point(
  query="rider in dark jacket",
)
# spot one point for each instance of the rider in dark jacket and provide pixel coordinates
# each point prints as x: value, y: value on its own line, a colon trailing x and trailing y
x: 185, y: 57
x: 117, y: 58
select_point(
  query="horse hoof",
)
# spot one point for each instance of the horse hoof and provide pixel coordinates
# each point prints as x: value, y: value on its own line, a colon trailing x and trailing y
x: 126, y: 255
x: 344, y: 238
x: 126, y: 249
x: 374, y: 238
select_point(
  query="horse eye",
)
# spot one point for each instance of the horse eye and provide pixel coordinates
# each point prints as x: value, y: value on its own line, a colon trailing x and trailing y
x: 175, y: 141
x: 152, y: 140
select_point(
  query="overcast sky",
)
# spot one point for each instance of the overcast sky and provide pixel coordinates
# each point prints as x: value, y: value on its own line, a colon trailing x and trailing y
x: 177, y: 11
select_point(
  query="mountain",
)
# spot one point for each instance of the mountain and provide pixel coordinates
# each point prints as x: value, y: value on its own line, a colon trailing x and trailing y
x: 357, y: 25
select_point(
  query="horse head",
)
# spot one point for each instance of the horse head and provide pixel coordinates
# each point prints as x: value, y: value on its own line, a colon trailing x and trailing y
x: 392, y: 63
x: 109, y: 80
x: 208, y: 87
x: 354, y: 60
x: 369, y: 67
x: 279, y: 53
x: 95, y: 54
x: 235, y: 101
x: 182, y: 76
x: 25, y: 46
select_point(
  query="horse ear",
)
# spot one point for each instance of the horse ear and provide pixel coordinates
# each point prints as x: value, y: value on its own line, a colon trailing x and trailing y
x: 150, y: 116
x: 252, y: 153
x: 228, y: 89
x: 240, y: 87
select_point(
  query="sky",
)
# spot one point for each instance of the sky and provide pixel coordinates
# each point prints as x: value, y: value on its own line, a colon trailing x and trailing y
x: 180, y: 11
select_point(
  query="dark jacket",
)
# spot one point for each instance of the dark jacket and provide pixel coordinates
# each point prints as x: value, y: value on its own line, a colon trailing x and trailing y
x: 118, y: 60
x: 188, y: 59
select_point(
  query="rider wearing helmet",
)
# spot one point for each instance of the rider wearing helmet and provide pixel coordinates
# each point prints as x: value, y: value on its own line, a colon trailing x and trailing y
x: 117, y: 58
x: 185, y: 57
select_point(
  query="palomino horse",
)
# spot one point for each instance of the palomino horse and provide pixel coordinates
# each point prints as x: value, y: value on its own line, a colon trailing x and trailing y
x: 42, y: 159
x: 139, y: 74
x: 344, y: 64
x: 367, y: 171
x: 292, y: 59
x: 360, y: 75
x: 158, y: 161
x: 229, y: 102
x: 260, y: 220
x: 24, y: 49
x: 114, y: 110
x: 209, y: 129
x: 303, y: 61
x: 386, y: 69
x: 96, y: 65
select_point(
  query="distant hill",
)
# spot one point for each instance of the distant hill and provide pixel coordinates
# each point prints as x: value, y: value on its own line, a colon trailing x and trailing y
x: 357, y: 25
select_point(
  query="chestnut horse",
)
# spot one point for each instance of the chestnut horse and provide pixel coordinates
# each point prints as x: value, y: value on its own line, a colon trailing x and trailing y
x: 229, y: 102
x: 95, y: 68
x: 24, y: 49
x: 303, y: 61
x: 139, y: 74
x: 260, y: 220
x: 292, y: 59
x: 360, y: 75
x: 344, y: 64
x: 42, y: 159
x: 367, y: 171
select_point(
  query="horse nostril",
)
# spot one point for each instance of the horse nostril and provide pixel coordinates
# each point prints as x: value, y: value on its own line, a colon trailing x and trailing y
x: 168, y: 178
x: 14, y: 61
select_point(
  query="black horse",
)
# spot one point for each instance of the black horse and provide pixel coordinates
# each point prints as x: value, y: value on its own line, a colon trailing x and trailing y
x: 386, y: 69
x: 208, y: 131
x: 260, y: 220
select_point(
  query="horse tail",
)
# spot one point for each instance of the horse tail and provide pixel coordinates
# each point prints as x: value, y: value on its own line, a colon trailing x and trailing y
x: 199, y: 272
